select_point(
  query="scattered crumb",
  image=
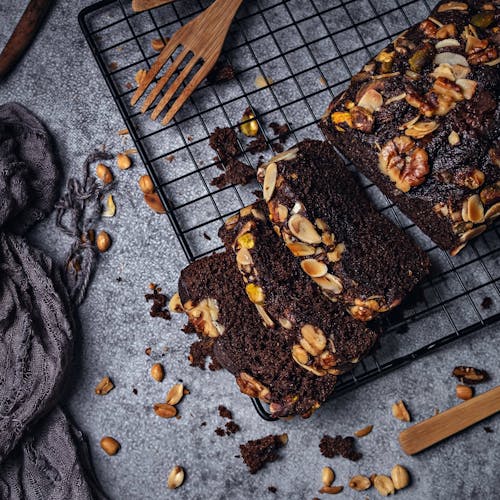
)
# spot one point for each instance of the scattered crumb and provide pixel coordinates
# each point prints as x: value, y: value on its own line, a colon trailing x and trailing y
x: 203, y: 424
x: 263, y: 81
x: 104, y: 386
x: 221, y: 72
x: 272, y: 489
x: 331, y: 447
x: 200, y: 351
x: 159, y: 308
x: 190, y: 138
x: 225, y: 142
x: 119, y: 279
x: 214, y: 365
x: 220, y: 431
x: 277, y: 147
x: 123, y: 131
x: 486, y: 303
x: 134, y: 391
x: 112, y: 66
x: 128, y: 85
x: 232, y: 428
x: 323, y: 81
x: 281, y: 131
x: 148, y: 351
x: 170, y: 158
x: 258, y: 452
x: 236, y: 172
x: 225, y: 413
x: 258, y: 145
x: 488, y: 429
x: 206, y: 236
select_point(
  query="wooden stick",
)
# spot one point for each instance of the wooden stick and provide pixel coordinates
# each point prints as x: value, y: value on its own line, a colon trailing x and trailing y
x: 141, y: 5
x: 23, y: 35
x: 443, y: 425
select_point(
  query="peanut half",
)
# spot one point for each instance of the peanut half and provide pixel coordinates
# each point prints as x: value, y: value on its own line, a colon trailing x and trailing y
x: 110, y: 445
x: 400, y: 477
x: 158, y: 372
x: 176, y: 477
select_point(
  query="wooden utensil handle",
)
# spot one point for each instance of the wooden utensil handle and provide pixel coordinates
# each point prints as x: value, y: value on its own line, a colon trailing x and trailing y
x: 439, y: 427
x: 23, y: 35
x: 141, y: 5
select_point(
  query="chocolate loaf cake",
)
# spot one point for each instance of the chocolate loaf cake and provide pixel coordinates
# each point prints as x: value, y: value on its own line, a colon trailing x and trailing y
x: 353, y: 253
x: 214, y: 299
x: 422, y: 120
x: 325, y: 338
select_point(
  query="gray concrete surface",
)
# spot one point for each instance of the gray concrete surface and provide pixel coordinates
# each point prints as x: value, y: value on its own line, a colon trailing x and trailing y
x: 59, y: 80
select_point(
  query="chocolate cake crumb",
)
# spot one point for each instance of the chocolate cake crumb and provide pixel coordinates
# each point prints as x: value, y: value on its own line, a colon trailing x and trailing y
x: 486, y: 303
x: 236, y: 172
x: 200, y: 351
x: 232, y: 428
x: 281, y: 131
x: 203, y: 424
x: 188, y: 328
x: 277, y: 147
x: 256, y: 453
x: 272, y: 489
x: 214, y: 365
x: 221, y: 72
x: 147, y: 351
x: 331, y: 447
x: 170, y: 158
x: 134, y: 391
x: 488, y: 429
x: 159, y: 308
x: 258, y: 145
x: 225, y: 142
x: 220, y: 431
x: 225, y: 413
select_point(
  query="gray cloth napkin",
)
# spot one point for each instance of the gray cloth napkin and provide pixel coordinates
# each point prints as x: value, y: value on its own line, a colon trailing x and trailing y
x: 41, y: 453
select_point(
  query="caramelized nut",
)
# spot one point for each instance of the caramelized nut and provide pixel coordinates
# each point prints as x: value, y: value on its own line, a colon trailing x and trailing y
x: 146, y: 184
x: 175, y: 394
x: 154, y: 202
x: 303, y: 229
x: 464, y: 392
x: 164, y: 410
x: 175, y: 304
x: 103, y: 241
x: 384, y: 485
x: 327, y: 476
x: 360, y: 483
x: 104, y: 173
x: 255, y: 293
x: 314, y: 268
x: 469, y: 374
x: 270, y: 181
x: 175, y: 477
x: 123, y: 161
x: 158, y: 372
x: 251, y: 127
x: 400, y: 412
x: 400, y: 477
x: 364, y: 431
x: 331, y: 490
x: 110, y: 445
x: 104, y: 386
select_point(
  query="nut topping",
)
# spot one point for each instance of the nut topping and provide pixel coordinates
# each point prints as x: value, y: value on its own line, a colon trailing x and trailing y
x: 327, y: 476
x: 165, y: 410
x: 203, y: 317
x: 464, y: 392
x: 110, y: 445
x: 330, y: 283
x: 313, y: 339
x: 336, y: 254
x: 360, y: 483
x: 400, y: 412
x: 300, y: 355
x: 364, y: 431
x: 469, y: 374
x: 255, y: 293
x: 175, y: 394
x: 303, y: 229
x: 314, y: 268
x: 252, y: 387
x: 452, y: 6
x: 453, y: 138
x: 300, y: 249
x: 384, y: 485
x: 104, y: 386
x: 400, y: 477
x: 475, y: 210
x: 270, y: 181
x: 157, y: 372
x: 175, y: 477
x: 474, y: 180
x: 371, y: 100
x: 493, y: 212
x: 175, y: 304
x: 421, y: 129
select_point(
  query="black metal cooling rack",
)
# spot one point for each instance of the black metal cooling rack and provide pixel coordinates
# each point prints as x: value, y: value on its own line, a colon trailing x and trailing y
x: 307, y: 50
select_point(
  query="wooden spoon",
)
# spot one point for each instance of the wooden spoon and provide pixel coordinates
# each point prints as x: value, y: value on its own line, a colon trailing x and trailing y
x: 443, y: 425
x: 141, y: 5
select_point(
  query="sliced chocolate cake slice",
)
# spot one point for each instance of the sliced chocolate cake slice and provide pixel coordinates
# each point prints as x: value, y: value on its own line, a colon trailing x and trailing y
x: 214, y: 299
x: 422, y: 120
x: 356, y: 255
x: 325, y: 338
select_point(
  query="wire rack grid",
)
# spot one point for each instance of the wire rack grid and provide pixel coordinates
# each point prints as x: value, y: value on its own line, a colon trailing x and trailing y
x: 307, y: 50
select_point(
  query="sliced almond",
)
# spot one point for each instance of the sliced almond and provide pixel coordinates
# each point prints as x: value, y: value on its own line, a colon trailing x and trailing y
x: 265, y: 317
x: 384, y: 485
x: 493, y: 212
x: 314, y: 268
x: 300, y: 249
x: 472, y: 233
x: 364, y: 431
x: 371, y: 100
x: 175, y: 394
x: 303, y: 229
x: 110, y: 209
x: 300, y: 355
x: 445, y: 7
x: 447, y: 42
x: 331, y: 490
x: 330, y: 282
x: 270, y: 181
x: 475, y: 209
x: 450, y: 58
x: 468, y: 87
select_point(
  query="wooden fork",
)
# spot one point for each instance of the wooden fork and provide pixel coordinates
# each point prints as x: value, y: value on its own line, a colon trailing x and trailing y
x: 203, y: 37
